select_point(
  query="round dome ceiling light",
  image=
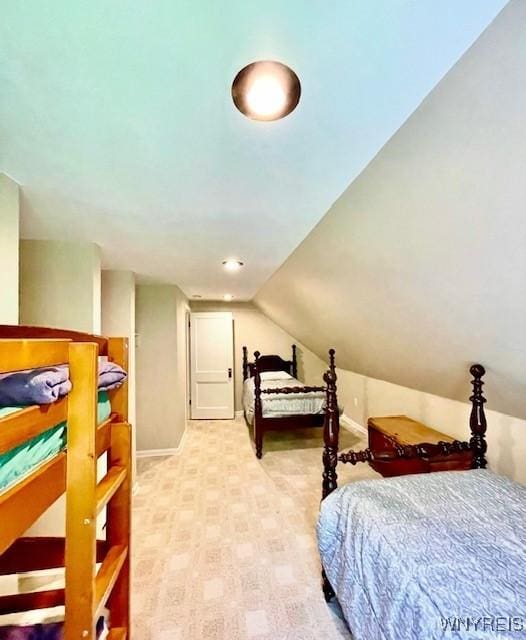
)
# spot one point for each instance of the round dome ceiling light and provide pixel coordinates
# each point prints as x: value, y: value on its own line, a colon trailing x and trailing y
x: 232, y: 265
x: 266, y: 90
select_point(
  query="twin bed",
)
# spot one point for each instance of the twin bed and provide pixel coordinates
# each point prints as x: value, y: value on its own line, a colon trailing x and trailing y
x: 426, y: 556
x: 274, y: 398
x: 63, y: 399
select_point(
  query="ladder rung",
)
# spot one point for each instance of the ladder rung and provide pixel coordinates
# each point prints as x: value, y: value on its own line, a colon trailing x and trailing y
x: 103, y: 436
x: 109, y: 485
x: 119, y: 633
x: 108, y: 574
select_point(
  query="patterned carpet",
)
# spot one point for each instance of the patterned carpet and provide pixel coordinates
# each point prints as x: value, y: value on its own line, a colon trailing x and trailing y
x: 224, y: 544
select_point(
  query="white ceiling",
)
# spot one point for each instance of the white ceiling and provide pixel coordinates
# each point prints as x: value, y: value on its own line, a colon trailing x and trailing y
x: 116, y: 119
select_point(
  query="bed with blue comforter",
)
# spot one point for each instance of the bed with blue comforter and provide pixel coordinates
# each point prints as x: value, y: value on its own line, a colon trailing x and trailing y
x: 431, y: 556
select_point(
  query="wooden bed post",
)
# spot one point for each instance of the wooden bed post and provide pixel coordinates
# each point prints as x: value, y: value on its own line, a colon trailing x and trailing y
x: 477, y: 420
x: 118, y: 353
x: 81, y: 516
x: 331, y: 431
x: 258, y: 409
x: 118, y: 515
x: 294, y: 362
x: 245, y: 363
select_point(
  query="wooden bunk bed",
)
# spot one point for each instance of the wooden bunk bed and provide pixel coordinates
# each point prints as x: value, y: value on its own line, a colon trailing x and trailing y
x: 419, y: 552
x: 74, y: 471
x: 293, y: 390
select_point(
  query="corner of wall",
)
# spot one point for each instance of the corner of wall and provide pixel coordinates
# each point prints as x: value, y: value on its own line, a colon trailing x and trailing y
x: 9, y: 249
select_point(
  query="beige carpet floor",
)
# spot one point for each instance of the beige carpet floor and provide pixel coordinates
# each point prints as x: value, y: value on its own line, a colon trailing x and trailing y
x: 224, y: 545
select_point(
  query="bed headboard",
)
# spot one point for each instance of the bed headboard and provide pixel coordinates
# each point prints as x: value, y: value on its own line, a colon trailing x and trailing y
x: 269, y: 363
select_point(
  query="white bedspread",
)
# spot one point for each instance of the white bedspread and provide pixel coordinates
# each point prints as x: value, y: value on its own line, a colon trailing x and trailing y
x: 280, y: 405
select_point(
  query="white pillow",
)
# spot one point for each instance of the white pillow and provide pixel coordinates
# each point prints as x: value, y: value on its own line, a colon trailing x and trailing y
x: 275, y: 375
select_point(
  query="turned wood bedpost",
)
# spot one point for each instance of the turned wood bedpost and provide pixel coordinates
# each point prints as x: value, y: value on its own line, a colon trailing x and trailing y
x: 258, y: 410
x: 331, y: 431
x: 294, y: 362
x: 245, y: 363
x: 477, y: 420
x: 332, y: 365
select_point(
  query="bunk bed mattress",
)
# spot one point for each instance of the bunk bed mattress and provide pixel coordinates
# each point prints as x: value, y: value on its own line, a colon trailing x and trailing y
x: 25, y: 458
x: 418, y: 555
x: 281, y: 405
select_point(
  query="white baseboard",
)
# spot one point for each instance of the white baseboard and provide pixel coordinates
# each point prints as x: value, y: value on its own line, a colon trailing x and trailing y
x: 157, y: 453
x: 351, y: 424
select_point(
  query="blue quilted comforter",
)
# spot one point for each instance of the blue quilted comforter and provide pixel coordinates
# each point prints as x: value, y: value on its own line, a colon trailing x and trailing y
x: 425, y: 557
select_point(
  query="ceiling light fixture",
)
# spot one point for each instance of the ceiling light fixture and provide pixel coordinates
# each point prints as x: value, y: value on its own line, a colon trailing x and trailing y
x: 228, y: 297
x: 232, y: 264
x: 266, y: 90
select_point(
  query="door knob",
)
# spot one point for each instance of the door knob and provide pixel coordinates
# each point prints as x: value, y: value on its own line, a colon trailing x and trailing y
x: 229, y: 372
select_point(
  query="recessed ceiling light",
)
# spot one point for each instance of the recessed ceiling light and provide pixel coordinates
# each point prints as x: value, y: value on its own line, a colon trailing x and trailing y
x: 266, y: 90
x: 232, y: 265
x: 228, y: 297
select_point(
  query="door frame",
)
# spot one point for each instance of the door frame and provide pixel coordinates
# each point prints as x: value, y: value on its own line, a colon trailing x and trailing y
x: 188, y: 364
x: 188, y: 328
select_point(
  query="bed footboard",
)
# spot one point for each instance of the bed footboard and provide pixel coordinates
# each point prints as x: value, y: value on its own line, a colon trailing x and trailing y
x: 331, y: 456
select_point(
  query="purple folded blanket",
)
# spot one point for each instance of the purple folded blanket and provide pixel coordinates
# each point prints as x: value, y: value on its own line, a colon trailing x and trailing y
x: 53, y: 631
x: 111, y: 376
x: 46, y: 631
x: 43, y: 386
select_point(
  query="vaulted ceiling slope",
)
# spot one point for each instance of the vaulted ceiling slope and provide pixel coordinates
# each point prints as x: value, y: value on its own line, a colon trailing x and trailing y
x: 116, y: 118
x: 419, y: 269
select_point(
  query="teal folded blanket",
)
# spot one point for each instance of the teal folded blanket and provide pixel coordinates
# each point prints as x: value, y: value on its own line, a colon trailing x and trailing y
x: 22, y: 459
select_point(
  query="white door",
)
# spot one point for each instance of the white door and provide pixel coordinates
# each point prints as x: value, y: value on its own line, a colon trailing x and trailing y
x: 212, y: 365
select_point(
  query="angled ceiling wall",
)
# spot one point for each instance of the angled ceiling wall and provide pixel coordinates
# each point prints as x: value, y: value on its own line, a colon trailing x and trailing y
x: 116, y: 118
x: 420, y: 267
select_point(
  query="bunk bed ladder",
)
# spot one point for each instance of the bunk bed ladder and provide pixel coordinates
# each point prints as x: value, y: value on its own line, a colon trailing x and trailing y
x: 90, y: 591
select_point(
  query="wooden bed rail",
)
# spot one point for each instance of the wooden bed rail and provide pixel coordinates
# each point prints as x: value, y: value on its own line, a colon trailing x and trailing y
x: 286, y: 390
x: 27, y: 353
x: 422, y: 450
x: 331, y: 456
x: 21, y: 332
